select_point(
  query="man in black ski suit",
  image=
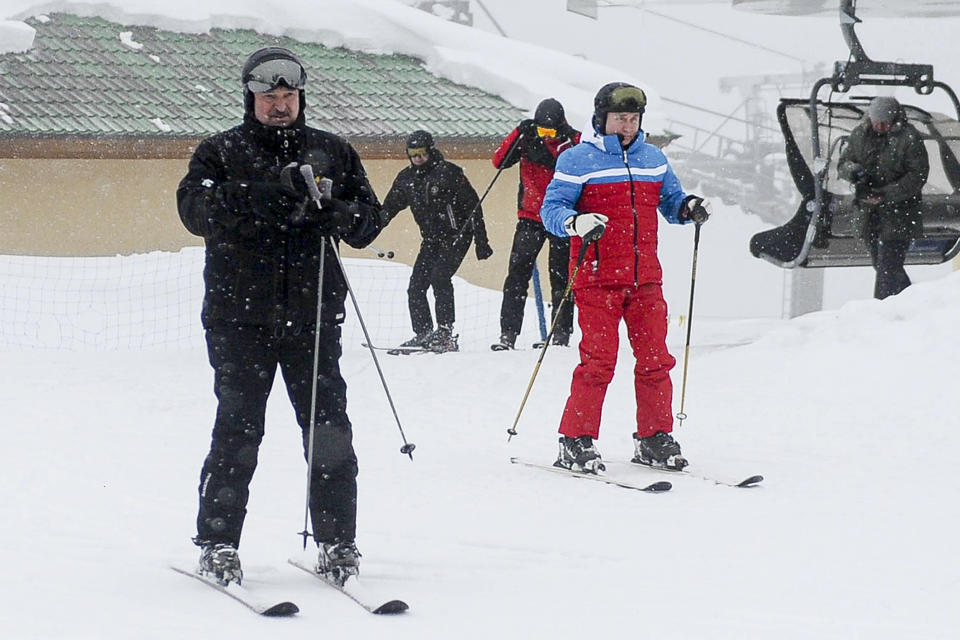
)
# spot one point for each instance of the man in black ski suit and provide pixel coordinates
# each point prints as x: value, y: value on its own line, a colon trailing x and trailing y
x: 264, y: 236
x: 887, y: 163
x: 446, y: 208
x: 535, y: 144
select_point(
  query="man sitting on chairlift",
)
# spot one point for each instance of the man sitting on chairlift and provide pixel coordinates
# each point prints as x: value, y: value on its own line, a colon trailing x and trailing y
x: 887, y: 164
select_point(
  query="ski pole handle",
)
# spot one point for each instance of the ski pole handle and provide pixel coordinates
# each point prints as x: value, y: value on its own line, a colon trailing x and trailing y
x: 319, y: 193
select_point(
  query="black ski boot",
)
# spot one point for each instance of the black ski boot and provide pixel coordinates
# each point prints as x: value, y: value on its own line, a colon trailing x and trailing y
x: 220, y: 561
x: 507, y: 342
x: 413, y: 345
x: 442, y: 340
x: 338, y: 560
x: 658, y: 450
x: 417, y: 341
x: 559, y: 340
x: 579, y: 454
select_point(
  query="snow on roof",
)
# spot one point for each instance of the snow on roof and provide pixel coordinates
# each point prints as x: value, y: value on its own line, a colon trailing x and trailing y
x: 15, y: 37
x: 522, y: 74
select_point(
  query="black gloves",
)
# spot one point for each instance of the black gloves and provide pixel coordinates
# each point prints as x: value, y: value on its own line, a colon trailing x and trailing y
x: 527, y: 128
x: 335, y: 217
x: 566, y: 131
x: 293, y: 180
x: 271, y: 201
x: 483, y: 249
x: 859, y: 175
x: 694, y: 208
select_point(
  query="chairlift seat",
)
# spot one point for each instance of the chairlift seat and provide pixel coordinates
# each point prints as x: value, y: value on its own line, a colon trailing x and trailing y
x: 834, y: 240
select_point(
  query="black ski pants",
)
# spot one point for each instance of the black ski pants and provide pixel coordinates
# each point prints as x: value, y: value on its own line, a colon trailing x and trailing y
x: 528, y: 239
x: 888, y: 257
x: 435, y: 265
x: 244, y: 360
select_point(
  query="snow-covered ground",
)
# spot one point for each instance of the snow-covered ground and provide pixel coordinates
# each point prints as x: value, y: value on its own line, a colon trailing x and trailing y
x: 845, y: 412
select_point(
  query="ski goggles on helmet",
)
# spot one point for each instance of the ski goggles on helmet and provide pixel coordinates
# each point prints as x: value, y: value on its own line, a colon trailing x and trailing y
x: 269, y: 75
x: 628, y: 99
x: 418, y: 151
x: 546, y: 132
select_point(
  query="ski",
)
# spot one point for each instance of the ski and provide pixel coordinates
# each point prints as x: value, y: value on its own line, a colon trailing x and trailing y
x: 354, y: 590
x: 398, y: 351
x: 746, y: 482
x: 243, y: 595
x: 656, y: 487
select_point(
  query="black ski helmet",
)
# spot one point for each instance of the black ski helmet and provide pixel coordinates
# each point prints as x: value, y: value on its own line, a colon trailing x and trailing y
x: 549, y: 114
x: 420, y: 139
x: 617, y: 97
x: 267, y: 54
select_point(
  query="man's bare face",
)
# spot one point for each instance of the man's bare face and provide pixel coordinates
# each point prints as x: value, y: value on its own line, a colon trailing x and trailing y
x: 278, y: 107
x: 623, y: 123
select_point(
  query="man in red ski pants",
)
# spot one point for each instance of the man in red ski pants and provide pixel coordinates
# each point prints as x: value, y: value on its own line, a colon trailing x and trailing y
x: 605, y: 194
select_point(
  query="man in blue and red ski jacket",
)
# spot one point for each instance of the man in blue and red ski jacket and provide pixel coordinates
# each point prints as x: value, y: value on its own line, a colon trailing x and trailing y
x: 605, y: 194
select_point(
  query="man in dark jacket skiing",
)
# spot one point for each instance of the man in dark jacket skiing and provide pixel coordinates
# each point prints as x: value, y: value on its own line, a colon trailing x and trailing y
x: 887, y: 163
x: 245, y: 196
x: 605, y: 195
x: 447, y: 210
x: 535, y: 144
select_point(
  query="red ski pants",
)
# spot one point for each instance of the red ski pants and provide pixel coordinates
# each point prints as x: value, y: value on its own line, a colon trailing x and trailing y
x: 644, y: 311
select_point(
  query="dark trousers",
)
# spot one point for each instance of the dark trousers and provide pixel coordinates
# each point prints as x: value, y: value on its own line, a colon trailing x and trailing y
x: 528, y: 239
x: 888, y: 257
x: 244, y: 360
x: 435, y: 265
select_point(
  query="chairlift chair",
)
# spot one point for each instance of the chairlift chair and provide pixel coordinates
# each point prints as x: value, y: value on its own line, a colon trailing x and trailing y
x: 824, y: 232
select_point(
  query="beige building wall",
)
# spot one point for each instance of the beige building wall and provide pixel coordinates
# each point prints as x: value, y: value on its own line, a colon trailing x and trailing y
x: 65, y: 207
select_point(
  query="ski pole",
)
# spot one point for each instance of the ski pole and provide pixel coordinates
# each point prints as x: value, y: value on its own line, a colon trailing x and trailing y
x: 407, y: 447
x: 686, y: 354
x: 538, y: 299
x: 313, y: 392
x: 588, y: 239
x: 473, y: 211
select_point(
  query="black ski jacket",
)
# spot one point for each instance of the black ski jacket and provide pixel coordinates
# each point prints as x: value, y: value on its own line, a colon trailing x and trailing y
x: 441, y: 198
x: 259, y: 269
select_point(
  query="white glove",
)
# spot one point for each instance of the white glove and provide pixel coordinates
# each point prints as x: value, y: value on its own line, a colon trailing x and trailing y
x: 697, y: 209
x: 584, y: 224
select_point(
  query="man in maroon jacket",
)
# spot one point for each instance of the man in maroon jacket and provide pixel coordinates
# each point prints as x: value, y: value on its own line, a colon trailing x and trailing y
x: 535, y: 144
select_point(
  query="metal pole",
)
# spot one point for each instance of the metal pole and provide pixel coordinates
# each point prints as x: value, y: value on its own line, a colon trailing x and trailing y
x: 313, y: 392
x: 686, y: 355
x: 587, y: 241
x: 538, y: 298
x: 315, y: 193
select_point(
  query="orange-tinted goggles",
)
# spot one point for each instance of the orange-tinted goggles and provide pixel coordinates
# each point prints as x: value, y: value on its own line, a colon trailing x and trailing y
x: 545, y: 132
x: 418, y: 151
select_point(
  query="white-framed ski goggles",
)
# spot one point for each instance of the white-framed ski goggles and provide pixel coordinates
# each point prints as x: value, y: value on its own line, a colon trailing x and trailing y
x: 268, y: 75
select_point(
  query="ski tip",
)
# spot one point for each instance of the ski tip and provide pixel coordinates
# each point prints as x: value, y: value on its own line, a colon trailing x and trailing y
x: 659, y: 487
x: 392, y: 607
x: 752, y: 481
x: 281, y: 609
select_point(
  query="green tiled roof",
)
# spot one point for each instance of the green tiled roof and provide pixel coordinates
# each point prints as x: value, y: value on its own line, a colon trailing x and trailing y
x: 82, y: 78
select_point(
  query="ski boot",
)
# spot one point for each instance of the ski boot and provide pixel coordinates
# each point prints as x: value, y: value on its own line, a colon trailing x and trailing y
x: 507, y: 341
x: 220, y: 561
x: 579, y: 454
x: 558, y: 340
x: 659, y: 450
x: 442, y: 340
x: 416, y: 343
x: 338, y: 560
